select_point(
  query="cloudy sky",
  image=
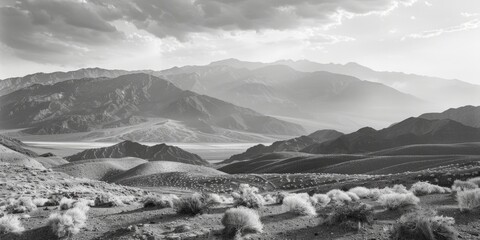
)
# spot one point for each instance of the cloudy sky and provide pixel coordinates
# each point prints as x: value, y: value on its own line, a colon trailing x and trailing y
x: 434, y: 37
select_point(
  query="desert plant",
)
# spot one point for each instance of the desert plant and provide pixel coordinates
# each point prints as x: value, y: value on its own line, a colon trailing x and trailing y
x: 279, y: 196
x: 110, y: 200
x: 248, y: 197
x: 423, y: 224
x: 10, y: 224
x: 361, y: 192
x: 353, y: 196
x: 241, y: 220
x: 68, y: 223
x: 20, y: 205
x: 192, y: 205
x: 321, y: 200
x: 475, y: 180
x: 469, y: 199
x: 399, y: 188
x: 66, y: 203
x: 425, y: 188
x: 40, y: 202
x: 160, y: 201
x: 352, y: 216
x: 299, y: 205
x: 394, y: 201
x: 459, y: 185
x: 338, y: 196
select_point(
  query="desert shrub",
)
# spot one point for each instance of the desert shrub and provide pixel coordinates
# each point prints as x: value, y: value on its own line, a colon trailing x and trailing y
x: 192, y: 205
x: 66, y: 203
x: 353, y: 196
x: 269, y: 199
x: 159, y: 201
x: 475, y: 180
x: 68, y: 223
x: 279, y: 196
x: 110, y: 200
x: 248, y: 196
x: 459, y: 185
x: 338, y: 196
x: 20, y: 205
x: 40, y: 202
x: 399, y: 188
x: 241, y: 220
x: 469, y: 199
x: 214, y: 198
x: 299, y: 205
x: 424, y: 224
x: 398, y: 200
x: 362, y: 192
x: 10, y: 224
x: 425, y: 188
x: 321, y: 200
x: 352, y: 216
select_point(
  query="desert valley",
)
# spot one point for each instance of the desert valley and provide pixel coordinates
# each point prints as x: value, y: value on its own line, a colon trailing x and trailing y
x: 183, y: 154
x: 244, y: 119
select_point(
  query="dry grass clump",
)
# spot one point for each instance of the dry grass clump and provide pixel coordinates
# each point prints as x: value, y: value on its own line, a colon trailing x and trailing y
x: 240, y: 221
x: 111, y: 200
x: 192, y: 205
x: 339, y: 197
x: 10, y: 224
x: 299, y: 205
x: 247, y: 196
x: 469, y: 199
x: 394, y: 201
x: 475, y: 180
x: 159, y: 201
x: 425, y: 188
x: 321, y: 200
x: 68, y: 203
x: 361, y: 192
x: 20, y: 205
x: 459, y: 185
x: 68, y: 223
x: 351, y: 216
x: 40, y: 202
x: 424, y: 224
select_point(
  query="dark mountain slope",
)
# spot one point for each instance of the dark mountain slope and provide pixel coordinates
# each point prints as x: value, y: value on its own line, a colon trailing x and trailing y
x: 160, y: 152
x: 16, y: 145
x: 467, y: 115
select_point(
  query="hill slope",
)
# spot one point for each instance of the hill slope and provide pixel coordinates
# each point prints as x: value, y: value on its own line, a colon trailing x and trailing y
x: 84, y: 105
x: 407, y: 132
x: 467, y: 115
x: 160, y: 152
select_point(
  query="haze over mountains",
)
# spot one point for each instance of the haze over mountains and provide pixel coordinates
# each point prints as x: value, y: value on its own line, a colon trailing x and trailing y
x: 296, y: 97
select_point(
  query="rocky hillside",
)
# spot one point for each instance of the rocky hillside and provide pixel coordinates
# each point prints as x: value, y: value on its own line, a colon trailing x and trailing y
x: 160, y: 152
x: 84, y: 105
x: 16, y: 145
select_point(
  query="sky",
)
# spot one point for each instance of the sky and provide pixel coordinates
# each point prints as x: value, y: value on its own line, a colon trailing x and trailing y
x: 435, y: 37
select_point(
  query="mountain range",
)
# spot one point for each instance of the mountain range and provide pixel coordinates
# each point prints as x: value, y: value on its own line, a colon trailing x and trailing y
x: 467, y: 115
x: 84, y: 105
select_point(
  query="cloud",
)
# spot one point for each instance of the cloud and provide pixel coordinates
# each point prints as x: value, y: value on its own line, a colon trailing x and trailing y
x: 475, y: 23
x: 49, y: 29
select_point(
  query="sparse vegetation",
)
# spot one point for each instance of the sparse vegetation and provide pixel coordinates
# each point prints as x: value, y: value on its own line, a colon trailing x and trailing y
x: 424, y: 224
x: 161, y: 201
x: 394, y: 201
x: 352, y: 216
x: 10, y: 224
x: 321, y: 200
x: 248, y: 196
x: 475, y: 180
x: 68, y: 223
x: 192, y: 205
x: 299, y: 205
x: 425, y: 188
x: 240, y: 221
x: 361, y: 192
x: 459, y: 185
x: 338, y: 196
x: 469, y: 199
x: 20, y: 205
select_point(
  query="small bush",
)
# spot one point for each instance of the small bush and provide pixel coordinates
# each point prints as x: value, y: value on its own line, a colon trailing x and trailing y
x: 110, y: 200
x: 397, y: 200
x: 161, y: 201
x: 353, y: 196
x: 241, y: 220
x: 469, y: 199
x: 459, y: 185
x: 425, y: 188
x: 192, y: 205
x: 20, y: 205
x: 321, y: 200
x: 10, y: 224
x: 269, y: 199
x: 352, y: 216
x: 68, y: 223
x: 399, y: 188
x: 40, y: 202
x: 299, y: 205
x: 66, y: 203
x: 248, y: 197
x: 423, y: 224
x: 338, y: 196
x: 279, y: 196
x: 475, y: 180
x: 362, y: 192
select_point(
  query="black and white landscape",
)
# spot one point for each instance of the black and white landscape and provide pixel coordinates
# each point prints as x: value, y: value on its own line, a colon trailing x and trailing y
x: 244, y: 119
